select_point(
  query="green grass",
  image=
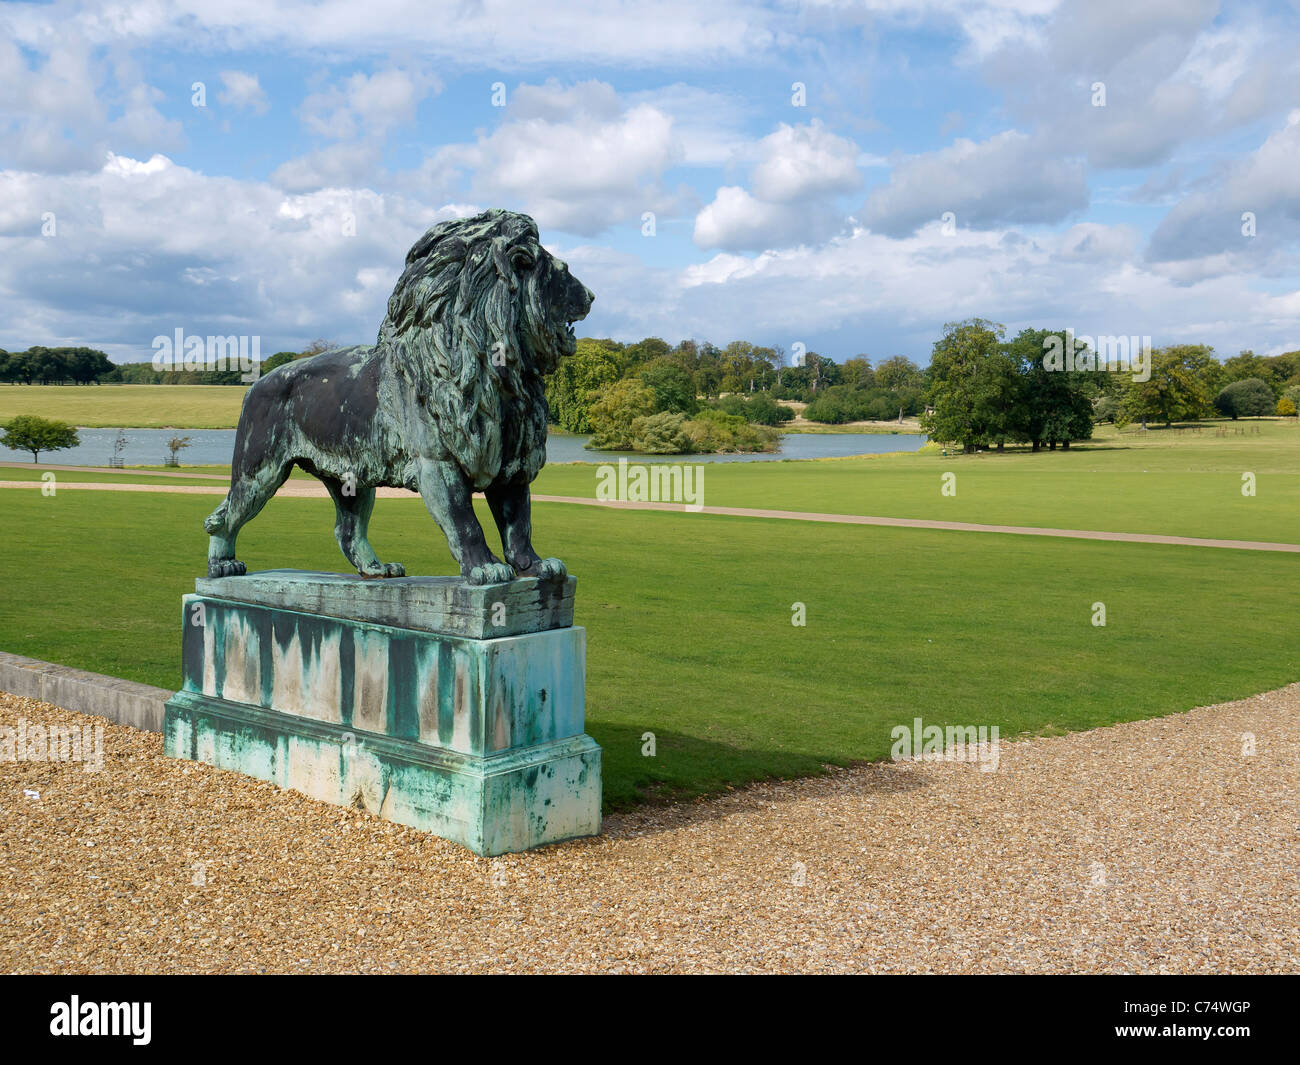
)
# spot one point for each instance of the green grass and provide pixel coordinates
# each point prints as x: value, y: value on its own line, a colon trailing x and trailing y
x: 689, y: 622
x: 1160, y: 482
x: 130, y: 406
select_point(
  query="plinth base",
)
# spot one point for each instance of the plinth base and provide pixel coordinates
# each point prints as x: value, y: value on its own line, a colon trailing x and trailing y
x: 479, y: 740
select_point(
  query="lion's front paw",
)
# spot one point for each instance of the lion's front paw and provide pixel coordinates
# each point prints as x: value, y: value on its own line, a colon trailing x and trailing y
x: 384, y: 569
x: 226, y: 567
x: 548, y: 569
x: 490, y: 573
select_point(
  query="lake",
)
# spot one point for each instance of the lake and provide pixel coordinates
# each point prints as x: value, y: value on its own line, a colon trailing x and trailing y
x: 148, y: 447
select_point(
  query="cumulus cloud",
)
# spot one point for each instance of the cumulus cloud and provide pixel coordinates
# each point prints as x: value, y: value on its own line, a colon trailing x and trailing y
x: 367, y: 104
x: 798, y: 171
x: 882, y: 293
x: 573, y: 157
x: 1009, y: 178
x: 243, y: 91
x: 798, y: 162
x: 338, y: 165
x: 359, y: 113
x: 737, y: 220
x: 1174, y: 72
x: 65, y: 109
x: 1210, y: 223
x: 145, y: 246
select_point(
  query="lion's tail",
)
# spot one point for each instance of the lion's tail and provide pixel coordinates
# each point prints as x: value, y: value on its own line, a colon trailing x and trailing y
x: 215, y: 521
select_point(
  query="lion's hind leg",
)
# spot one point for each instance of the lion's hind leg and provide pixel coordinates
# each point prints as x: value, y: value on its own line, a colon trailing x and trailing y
x: 352, y: 521
x: 247, y: 496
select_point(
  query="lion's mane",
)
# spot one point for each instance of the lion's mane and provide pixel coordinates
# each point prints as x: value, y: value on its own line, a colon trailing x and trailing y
x: 467, y: 342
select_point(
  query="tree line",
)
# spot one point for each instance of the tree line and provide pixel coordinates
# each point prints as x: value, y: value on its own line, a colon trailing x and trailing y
x: 981, y: 389
x: 987, y: 391
x: 89, y: 366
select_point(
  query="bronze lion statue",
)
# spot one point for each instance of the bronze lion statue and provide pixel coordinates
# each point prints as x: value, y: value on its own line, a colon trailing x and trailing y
x: 449, y: 401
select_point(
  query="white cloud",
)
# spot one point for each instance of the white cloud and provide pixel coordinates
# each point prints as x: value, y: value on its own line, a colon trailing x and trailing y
x: 866, y: 286
x: 243, y: 92
x: 798, y: 162
x: 798, y: 171
x: 144, y: 246
x: 1009, y: 178
x: 571, y: 157
x: 1208, y: 225
x: 736, y: 220
x: 492, y: 33
x: 337, y: 166
x: 368, y: 105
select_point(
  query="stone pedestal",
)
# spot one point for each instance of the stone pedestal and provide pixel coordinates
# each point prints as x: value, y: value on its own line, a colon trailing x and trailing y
x: 455, y: 709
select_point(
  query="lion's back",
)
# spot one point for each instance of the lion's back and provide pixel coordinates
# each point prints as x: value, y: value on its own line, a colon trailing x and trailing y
x: 327, y: 402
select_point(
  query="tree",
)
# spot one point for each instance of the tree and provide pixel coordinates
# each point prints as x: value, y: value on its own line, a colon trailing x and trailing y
x: 614, y: 412
x: 279, y: 359
x: 317, y: 346
x: 13, y: 367
x: 1285, y: 408
x: 30, y: 433
x: 1245, y: 366
x: 1174, y: 391
x: 1205, y: 365
x: 175, y: 446
x: 1052, y: 406
x: 674, y: 387
x: 858, y: 373
x: 968, y: 379
x: 87, y: 366
x: 573, y: 386
x: 647, y: 350
x: 898, y: 373
x: 661, y: 434
x: 1248, y: 398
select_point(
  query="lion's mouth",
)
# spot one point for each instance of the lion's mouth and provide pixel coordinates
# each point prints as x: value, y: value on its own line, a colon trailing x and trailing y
x: 566, y: 341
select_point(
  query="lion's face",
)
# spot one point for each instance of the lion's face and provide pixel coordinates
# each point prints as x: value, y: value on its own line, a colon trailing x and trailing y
x: 552, y: 299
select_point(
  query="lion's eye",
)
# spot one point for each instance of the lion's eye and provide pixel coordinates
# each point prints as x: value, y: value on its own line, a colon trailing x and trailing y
x: 522, y: 258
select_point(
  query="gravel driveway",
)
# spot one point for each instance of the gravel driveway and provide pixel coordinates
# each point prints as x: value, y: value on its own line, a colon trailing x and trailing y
x: 1155, y: 846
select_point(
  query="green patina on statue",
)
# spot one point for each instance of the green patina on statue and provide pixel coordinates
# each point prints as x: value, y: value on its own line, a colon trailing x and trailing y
x: 449, y: 401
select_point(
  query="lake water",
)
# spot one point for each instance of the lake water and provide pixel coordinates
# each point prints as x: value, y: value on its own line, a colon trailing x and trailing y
x: 148, y: 447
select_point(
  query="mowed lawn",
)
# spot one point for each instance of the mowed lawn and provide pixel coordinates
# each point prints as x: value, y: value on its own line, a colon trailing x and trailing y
x: 132, y: 406
x: 1178, y: 484
x: 689, y: 622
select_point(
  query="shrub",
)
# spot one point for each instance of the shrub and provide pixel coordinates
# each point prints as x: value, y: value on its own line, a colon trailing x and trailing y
x: 830, y: 408
x: 1105, y: 408
x: 661, y: 434
x: 614, y: 413
x: 762, y: 409
x: 1249, y: 398
x: 715, y: 430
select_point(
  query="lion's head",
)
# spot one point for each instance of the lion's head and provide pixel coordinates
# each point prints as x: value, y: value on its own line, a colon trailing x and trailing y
x: 481, y: 313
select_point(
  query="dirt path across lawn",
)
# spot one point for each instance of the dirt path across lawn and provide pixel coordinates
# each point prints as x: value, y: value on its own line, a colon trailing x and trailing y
x: 316, y: 490
x: 1162, y: 846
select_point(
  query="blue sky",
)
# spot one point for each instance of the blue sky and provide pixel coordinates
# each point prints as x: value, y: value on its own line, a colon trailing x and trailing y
x: 332, y: 134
